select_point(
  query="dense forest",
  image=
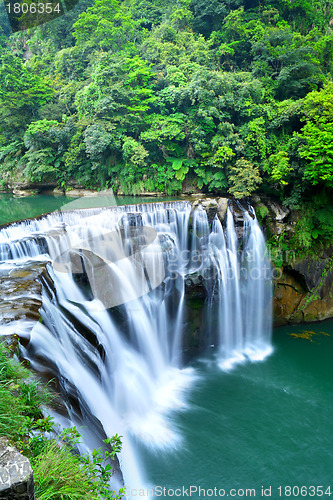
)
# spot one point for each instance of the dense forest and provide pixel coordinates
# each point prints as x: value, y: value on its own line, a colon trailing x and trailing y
x: 226, y: 97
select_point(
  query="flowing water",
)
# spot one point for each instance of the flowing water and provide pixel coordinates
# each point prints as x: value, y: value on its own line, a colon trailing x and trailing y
x: 259, y: 425
x: 114, y: 314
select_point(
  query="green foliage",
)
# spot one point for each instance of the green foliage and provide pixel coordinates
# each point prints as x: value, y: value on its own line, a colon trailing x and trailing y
x: 97, y: 140
x: 11, y: 149
x: 314, y: 228
x: 209, y: 15
x: 19, y: 400
x: 256, y: 137
x: 158, y: 95
x: 21, y: 94
x: 318, y: 150
x: 39, y: 165
x: 107, y: 24
x: 77, y: 162
x: 244, y: 178
x: 70, y: 63
x: 181, y: 167
x: 317, y: 137
x: 278, y: 165
x: 165, y: 130
x: 323, y: 222
x: 215, y: 181
x: 261, y: 212
x: 59, y: 471
x: 19, y: 87
x: 38, y: 135
x: 302, y: 240
x: 134, y: 152
x: 288, y: 60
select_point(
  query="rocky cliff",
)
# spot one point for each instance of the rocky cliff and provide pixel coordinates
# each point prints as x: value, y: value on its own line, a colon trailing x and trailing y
x: 303, y: 291
x: 303, y: 284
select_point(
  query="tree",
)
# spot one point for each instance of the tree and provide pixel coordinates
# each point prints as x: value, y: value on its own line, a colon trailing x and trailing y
x: 38, y: 134
x: 107, y: 24
x: 134, y: 152
x: 318, y: 150
x: 244, y: 178
x: 21, y: 93
x: 278, y: 166
x: 317, y: 137
x: 208, y: 15
x: 289, y: 60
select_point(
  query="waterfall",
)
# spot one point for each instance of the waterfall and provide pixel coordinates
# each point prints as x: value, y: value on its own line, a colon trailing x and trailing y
x: 114, y: 310
x: 244, y: 292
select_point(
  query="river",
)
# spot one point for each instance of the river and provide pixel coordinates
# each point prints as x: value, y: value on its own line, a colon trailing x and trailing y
x: 261, y: 429
x: 13, y: 208
x: 261, y: 424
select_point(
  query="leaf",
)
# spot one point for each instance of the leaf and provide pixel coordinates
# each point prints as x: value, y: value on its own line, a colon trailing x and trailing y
x: 177, y: 164
x: 180, y: 175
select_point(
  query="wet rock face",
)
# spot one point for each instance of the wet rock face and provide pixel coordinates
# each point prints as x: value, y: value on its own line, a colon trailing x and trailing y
x: 20, y: 293
x: 303, y: 288
x: 219, y: 206
x: 213, y: 207
x: 22, y: 308
x: 222, y: 204
x: 74, y: 193
x: 279, y: 211
x: 195, y: 297
x: 304, y: 292
x: 20, y: 299
x: 239, y: 209
x: 21, y: 185
x: 209, y: 205
x: 194, y: 286
x: 131, y: 219
x: 22, y: 192
x: 16, y: 479
x: 278, y: 218
x: 311, y: 271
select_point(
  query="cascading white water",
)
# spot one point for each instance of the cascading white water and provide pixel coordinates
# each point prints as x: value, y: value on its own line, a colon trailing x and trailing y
x: 123, y: 364
x: 244, y: 292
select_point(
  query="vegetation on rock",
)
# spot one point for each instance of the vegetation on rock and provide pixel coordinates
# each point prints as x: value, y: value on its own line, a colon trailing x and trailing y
x: 223, y: 97
x: 60, y: 473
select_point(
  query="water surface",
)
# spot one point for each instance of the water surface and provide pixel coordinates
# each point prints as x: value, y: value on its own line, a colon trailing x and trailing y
x: 262, y: 424
x: 18, y: 208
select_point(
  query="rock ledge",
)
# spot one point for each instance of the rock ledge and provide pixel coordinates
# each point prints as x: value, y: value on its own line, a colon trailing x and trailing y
x: 16, y: 479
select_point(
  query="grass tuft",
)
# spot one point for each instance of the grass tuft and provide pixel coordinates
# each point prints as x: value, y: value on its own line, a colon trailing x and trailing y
x: 59, y: 472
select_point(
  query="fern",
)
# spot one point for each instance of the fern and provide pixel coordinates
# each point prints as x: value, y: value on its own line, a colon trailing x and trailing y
x: 323, y: 218
x: 11, y: 149
x: 40, y: 164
